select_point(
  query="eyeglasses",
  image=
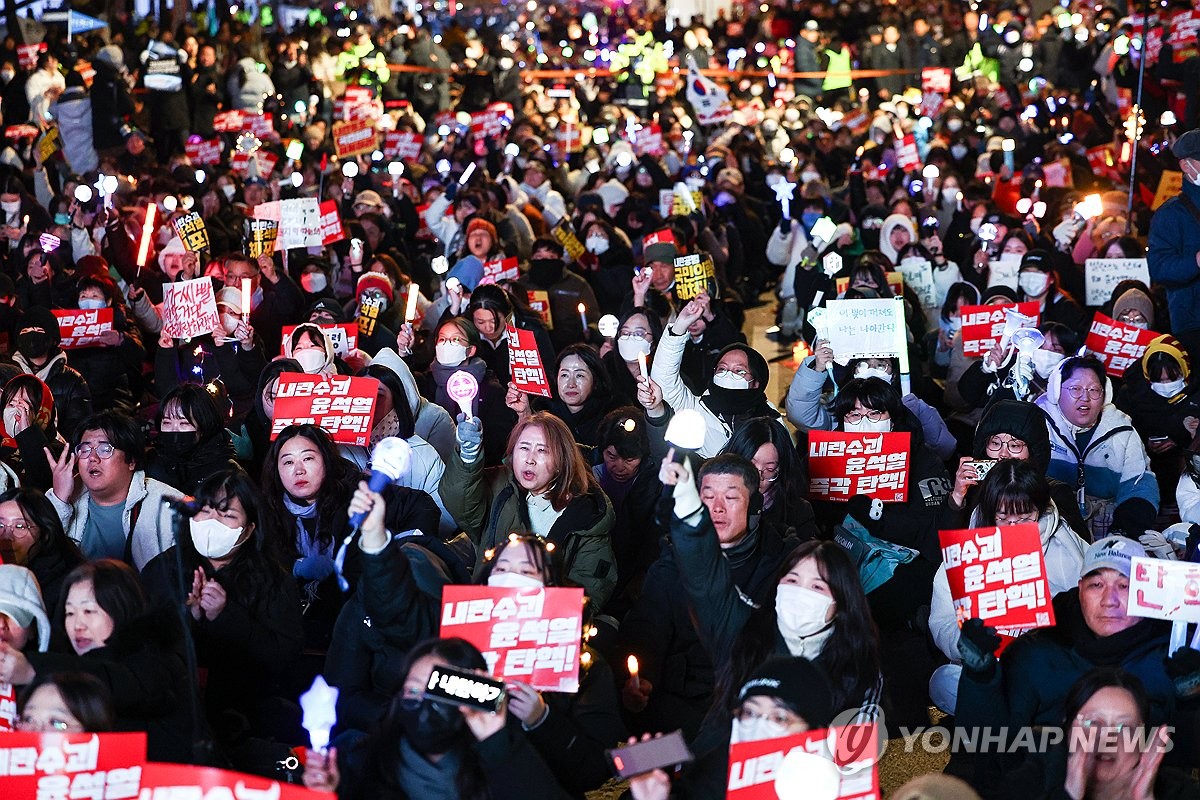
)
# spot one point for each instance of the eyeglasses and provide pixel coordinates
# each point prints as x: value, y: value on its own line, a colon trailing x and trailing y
x: 104, y: 450
x: 1077, y: 392
x: 769, y: 474
x: 463, y: 342
x: 640, y: 333
x: 1015, y: 519
x: 778, y: 716
x: 741, y: 372
x: 859, y: 416
x: 19, y: 529
x: 1015, y: 447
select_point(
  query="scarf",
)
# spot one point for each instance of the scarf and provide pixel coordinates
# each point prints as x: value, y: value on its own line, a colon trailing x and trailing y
x: 810, y: 646
x: 307, y: 544
x: 388, y: 426
x: 730, y: 403
x: 42, y: 373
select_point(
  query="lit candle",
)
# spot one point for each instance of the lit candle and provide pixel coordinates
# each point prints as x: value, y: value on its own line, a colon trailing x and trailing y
x: 582, y: 316
x: 246, y: 292
x: 147, y: 232
x: 632, y: 663
x: 642, y: 365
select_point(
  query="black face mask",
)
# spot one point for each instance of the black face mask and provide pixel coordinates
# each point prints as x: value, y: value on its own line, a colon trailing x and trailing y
x: 177, y: 442
x: 34, y: 344
x: 430, y: 727
x: 545, y: 271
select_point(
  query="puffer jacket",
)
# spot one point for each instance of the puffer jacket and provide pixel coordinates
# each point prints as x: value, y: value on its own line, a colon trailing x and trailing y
x: 72, y: 395
x: 489, y: 505
x: 433, y: 423
x: 1171, y: 257
x: 73, y: 110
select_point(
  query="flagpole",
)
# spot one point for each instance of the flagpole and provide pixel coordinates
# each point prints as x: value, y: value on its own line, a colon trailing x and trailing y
x: 1137, y: 128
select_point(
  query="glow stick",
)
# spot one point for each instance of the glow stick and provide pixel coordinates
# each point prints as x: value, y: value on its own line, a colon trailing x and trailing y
x: 147, y: 232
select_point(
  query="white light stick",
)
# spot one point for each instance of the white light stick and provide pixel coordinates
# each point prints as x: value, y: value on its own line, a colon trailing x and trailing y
x: 686, y: 429
x: 319, y: 705
x: 246, y: 292
x: 410, y: 311
x: 642, y: 365
x: 783, y: 193
x: 467, y: 173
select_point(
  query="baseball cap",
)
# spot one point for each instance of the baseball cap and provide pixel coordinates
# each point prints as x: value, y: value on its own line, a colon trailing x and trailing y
x: 1111, y: 552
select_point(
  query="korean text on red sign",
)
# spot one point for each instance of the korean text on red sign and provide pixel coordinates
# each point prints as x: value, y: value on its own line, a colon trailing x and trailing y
x: 1163, y: 589
x: 354, y: 138
x: 183, y: 781
x: 530, y: 635
x: 342, y: 406
x: 843, y: 465
x: 525, y: 363
x: 83, y: 327
x: 851, y: 750
x: 499, y: 269
x: 998, y: 575
x: 104, y: 765
x: 189, y: 308
x: 1116, y: 344
x: 983, y: 326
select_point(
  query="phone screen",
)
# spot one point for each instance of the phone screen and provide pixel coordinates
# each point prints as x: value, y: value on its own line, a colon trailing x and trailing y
x: 642, y: 757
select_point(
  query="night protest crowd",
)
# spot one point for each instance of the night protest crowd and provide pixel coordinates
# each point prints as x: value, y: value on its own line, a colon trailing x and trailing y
x: 953, y: 156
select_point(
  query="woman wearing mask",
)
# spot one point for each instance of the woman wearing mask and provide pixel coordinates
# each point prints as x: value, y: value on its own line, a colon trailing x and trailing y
x: 375, y: 295
x: 737, y: 391
x: 638, y: 333
x: 897, y: 233
x: 65, y: 702
x: 581, y: 396
x: 38, y: 353
x: 1132, y: 304
x: 1038, y: 282
x: 422, y: 743
x: 244, y: 608
x: 995, y: 376
x: 29, y: 431
x: 32, y: 536
x: 310, y: 347
x: 313, y: 277
x: 192, y: 442
x: 456, y: 348
x: 113, y: 371
x: 135, y: 650
x: 783, y: 479
x: 545, y: 487
x: 1015, y: 492
x: 958, y: 295
x: 608, y: 263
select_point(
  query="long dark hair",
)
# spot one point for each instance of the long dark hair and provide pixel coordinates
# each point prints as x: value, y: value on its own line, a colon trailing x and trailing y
x: 470, y: 782
x: 36, y: 391
x: 117, y: 591
x: 1018, y: 486
x: 196, y: 405
x: 1099, y: 678
x: 544, y: 558
x: 591, y: 359
x: 51, y: 537
x: 851, y: 655
x: 85, y: 696
x: 333, y: 496
x: 792, y: 483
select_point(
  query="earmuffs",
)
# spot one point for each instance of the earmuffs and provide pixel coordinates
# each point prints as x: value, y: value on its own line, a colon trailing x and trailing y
x: 1054, y: 382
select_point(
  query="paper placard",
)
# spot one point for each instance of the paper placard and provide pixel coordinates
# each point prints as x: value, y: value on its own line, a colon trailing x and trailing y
x: 403, y: 145
x: 998, y: 575
x: 983, y: 326
x: 1003, y: 272
x: 1162, y: 589
x: 675, y: 204
x: 1056, y: 174
x: 1117, y: 345
x: 844, y: 465
x: 853, y: 751
x: 262, y: 235
x: 936, y: 79
x: 908, y: 158
x: 299, y: 221
x: 204, y: 153
x: 264, y: 163
x: 189, y: 308
x: 1103, y: 274
x: 564, y: 235
x: 342, y: 406
x: 525, y: 363
x: 163, y: 781
x: 50, y: 764
x: 354, y: 138
x: 539, y: 301
x: 918, y: 273
x: 342, y: 335
x: 694, y: 275
x: 1170, y: 184
x: 331, y: 223
x: 864, y: 328
x: 530, y: 635
x: 191, y: 231
x: 83, y: 327
x: 499, y: 269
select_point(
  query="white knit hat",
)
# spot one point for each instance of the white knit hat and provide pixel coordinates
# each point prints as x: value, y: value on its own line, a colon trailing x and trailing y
x: 21, y: 599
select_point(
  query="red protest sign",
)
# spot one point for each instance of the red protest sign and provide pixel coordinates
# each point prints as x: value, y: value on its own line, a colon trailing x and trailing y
x: 852, y: 752
x: 342, y: 335
x: 998, y: 575
x: 331, y: 223
x: 354, y: 138
x: 82, y: 327
x: 357, y: 104
x: 189, y: 308
x: 1116, y: 344
x: 908, y: 158
x: 531, y: 635
x: 27, y: 55
x: 404, y: 145
x: 1185, y: 27
x: 204, y: 152
x: 983, y: 326
x: 843, y: 465
x: 525, y: 363
x: 1103, y: 161
x: 342, y: 406
x: 229, y: 121
x: 649, y: 141
x: 491, y: 121
x: 568, y: 138
x: 258, y: 124
x: 936, y: 79
x: 8, y: 707
x: 72, y: 764
x: 22, y: 131
x: 499, y: 269
x: 183, y: 780
x: 265, y: 160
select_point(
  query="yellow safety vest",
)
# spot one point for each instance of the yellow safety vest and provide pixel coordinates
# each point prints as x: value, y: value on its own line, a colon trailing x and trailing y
x: 838, y: 74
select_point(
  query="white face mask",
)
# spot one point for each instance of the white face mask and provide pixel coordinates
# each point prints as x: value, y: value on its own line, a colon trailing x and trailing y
x: 597, y: 245
x: 799, y: 611
x: 11, y: 208
x: 1169, y: 389
x: 865, y: 425
x: 1142, y: 326
x: 10, y: 420
x: 213, y: 539
x: 313, y: 282
x: 513, y: 580
x: 864, y: 371
x: 950, y: 194
x: 959, y: 151
x: 694, y: 182
x: 1033, y: 284
x: 1045, y: 360
x: 954, y: 124
x: 805, y: 177
x: 311, y: 360
x: 229, y: 190
x: 90, y: 303
x: 450, y: 354
x: 755, y: 730
x: 729, y: 380
x: 7, y: 75
x: 230, y: 322
x: 630, y: 347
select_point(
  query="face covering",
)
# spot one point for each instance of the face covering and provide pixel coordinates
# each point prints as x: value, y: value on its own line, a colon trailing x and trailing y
x: 177, y: 442
x: 800, y: 612
x: 755, y: 730
x: 230, y: 322
x: 450, y: 354
x: 11, y: 208
x: 545, y: 271
x: 1034, y: 284
x: 807, y: 177
x: 597, y: 245
x: 311, y: 359
x: 430, y: 727
x: 729, y: 380
x: 35, y: 344
x: 7, y: 75
x: 90, y: 303
x: 954, y: 125
x: 959, y: 151
x: 213, y: 539
x: 809, y: 218
x: 1045, y: 360
x: 865, y: 425
x: 864, y: 371
x: 694, y: 182
x: 630, y: 347
x: 1168, y: 389
x: 10, y: 420
x: 513, y: 580
x: 950, y: 194
x: 229, y: 190
x: 1144, y: 326
x: 313, y: 282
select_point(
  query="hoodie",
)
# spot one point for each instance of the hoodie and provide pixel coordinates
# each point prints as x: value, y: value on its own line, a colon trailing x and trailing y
x: 885, y: 235
x: 433, y: 423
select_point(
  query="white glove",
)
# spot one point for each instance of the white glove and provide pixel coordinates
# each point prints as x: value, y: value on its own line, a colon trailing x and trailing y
x: 1066, y: 231
x: 1157, y: 545
x: 687, y: 496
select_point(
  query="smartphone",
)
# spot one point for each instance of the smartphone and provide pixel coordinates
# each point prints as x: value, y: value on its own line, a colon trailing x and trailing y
x: 448, y: 685
x: 982, y: 468
x: 642, y: 757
